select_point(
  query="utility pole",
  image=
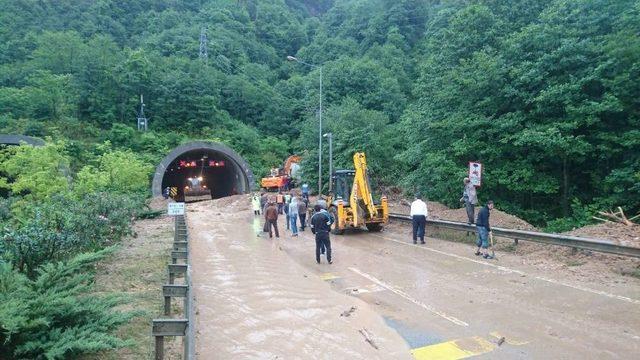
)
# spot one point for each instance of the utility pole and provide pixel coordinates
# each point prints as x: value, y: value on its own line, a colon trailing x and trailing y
x: 203, y: 45
x: 142, y: 120
x: 293, y: 58
x: 330, y: 137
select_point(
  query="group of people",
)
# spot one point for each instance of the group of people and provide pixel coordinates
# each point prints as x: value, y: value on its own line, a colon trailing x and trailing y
x: 419, y: 214
x: 295, y: 209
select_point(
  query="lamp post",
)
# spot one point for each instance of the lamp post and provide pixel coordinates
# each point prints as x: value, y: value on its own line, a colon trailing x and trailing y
x: 330, y: 137
x: 293, y: 58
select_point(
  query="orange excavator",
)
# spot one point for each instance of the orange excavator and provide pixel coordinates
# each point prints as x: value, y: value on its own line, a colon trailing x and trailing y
x: 282, y: 178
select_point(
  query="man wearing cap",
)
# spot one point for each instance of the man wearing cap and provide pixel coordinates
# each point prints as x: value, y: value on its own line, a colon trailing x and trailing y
x: 321, y: 225
x: 419, y: 215
x: 482, y: 224
x: 469, y: 198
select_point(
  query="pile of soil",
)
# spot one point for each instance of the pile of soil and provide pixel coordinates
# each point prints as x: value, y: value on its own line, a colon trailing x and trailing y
x: 620, y: 233
x: 442, y: 212
x: 157, y: 203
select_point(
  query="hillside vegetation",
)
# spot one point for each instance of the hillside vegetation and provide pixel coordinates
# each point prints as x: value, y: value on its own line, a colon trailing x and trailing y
x: 544, y: 93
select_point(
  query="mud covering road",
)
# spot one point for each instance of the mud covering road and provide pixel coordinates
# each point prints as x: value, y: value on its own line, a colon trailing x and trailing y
x: 253, y: 301
x: 259, y: 298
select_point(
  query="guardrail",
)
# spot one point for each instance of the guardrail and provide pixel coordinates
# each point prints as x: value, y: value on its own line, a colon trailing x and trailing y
x: 598, y: 245
x: 183, y: 326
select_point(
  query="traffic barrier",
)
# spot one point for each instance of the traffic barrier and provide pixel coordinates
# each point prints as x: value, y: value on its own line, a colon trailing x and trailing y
x: 161, y: 328
x: 605, y: 246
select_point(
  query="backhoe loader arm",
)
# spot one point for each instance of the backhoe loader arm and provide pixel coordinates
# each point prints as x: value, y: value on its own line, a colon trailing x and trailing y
x: 361, y: 188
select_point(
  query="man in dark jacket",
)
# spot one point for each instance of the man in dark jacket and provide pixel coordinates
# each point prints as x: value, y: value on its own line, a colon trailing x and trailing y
x: 271, y: 216
x: 484, y: 229
x: 321, y: 226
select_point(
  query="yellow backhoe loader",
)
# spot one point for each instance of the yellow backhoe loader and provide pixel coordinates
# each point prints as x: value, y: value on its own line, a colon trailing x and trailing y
x: 352, y: 204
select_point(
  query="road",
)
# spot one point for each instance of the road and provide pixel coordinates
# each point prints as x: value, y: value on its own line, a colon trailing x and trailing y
x: 440, y: 301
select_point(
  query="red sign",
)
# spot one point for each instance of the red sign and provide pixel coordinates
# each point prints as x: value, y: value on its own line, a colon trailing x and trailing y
x: 214, y: 163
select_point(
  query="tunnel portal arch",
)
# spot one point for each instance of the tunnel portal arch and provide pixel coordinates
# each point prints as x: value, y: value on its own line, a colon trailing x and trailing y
x: 233, y: 176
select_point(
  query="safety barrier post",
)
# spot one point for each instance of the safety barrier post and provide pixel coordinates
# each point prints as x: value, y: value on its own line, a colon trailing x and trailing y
x: 162, y: 328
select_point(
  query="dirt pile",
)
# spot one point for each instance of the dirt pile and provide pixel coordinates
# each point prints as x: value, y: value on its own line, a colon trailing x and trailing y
x: 157, y: 203
x: 442, y: 212
x: 619, y: 233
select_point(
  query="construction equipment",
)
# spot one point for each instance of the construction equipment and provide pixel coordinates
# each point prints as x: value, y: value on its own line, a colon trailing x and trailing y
x: 196, y: 190
x: 282, y: 178
x: 352, y: 205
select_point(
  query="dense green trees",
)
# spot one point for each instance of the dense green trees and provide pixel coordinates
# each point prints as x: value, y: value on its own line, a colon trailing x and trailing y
x: 542, y: 92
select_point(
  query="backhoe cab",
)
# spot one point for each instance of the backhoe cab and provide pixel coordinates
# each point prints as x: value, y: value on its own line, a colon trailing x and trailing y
x: 352, y: 204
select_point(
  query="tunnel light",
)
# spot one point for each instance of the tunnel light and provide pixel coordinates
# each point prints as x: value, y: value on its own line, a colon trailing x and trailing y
x: 189, y: 179
x: 213, y: 163
x: 186, y: 188
x: 199, y: 178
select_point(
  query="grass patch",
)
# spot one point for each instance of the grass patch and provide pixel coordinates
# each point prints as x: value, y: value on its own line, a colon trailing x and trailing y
x: 575, y: 263
x: 139, y: 269
x: 451, y: 235
x: 633, y: 272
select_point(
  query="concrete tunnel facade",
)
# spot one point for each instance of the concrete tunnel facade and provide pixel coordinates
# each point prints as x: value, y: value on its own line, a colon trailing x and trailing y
x: 224, y: 171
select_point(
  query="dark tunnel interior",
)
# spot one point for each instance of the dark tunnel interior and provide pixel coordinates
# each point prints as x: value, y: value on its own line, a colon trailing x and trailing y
x: 219, y: 174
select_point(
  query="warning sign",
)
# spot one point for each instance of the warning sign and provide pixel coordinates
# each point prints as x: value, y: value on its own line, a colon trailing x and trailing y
x: 175, y: 208
x: 475, y: 173
x: 173, y: 192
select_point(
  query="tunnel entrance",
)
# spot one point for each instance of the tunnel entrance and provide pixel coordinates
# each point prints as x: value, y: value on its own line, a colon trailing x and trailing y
x: 203, y: 170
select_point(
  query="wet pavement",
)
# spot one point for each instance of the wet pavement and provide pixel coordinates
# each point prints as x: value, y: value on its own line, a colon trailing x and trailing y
x: 261, y: 298
x: 254, y: 302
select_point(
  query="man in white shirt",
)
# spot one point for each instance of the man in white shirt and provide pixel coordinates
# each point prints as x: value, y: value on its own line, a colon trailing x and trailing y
x: 419, y: 215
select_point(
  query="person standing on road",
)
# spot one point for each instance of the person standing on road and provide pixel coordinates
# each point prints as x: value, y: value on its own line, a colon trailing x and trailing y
x: 255, y: 203
x: 286, y: 210
x: 484, y: 229
x: 321, y: 225
x: 263, y: 200
x: 302, y: 213
x: 305, y: 193
x: 293, y: 215
x: 469, y: 198
x: 280, y: 202
x: 419, y: 215
x: 271, y: 216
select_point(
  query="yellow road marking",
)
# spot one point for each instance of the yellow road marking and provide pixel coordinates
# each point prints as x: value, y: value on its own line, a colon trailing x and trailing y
x: 454, y: 349
x: 508, y: 339
x: 328, y: 276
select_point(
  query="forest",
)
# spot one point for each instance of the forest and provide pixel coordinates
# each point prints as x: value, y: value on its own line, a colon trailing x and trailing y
x: 544, y: 93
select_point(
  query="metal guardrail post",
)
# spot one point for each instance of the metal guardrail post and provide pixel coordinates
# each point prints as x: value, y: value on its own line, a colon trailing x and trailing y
x: 169, y: 291
x: 166, y: 327
x: 176, y: 327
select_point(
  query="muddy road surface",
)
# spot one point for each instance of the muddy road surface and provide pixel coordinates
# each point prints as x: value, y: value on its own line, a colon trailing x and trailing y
x: 253, y: 301
x: 267, y: 298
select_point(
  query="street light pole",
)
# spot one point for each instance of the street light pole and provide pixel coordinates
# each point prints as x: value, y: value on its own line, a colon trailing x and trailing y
x: 330, y: 137
x: 320, y: 140
x: 293, y: 58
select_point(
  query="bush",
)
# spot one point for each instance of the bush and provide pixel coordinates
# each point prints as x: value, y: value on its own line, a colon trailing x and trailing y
x: 121, y: 172
x: 55, y: 316
x: 63, y: 226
